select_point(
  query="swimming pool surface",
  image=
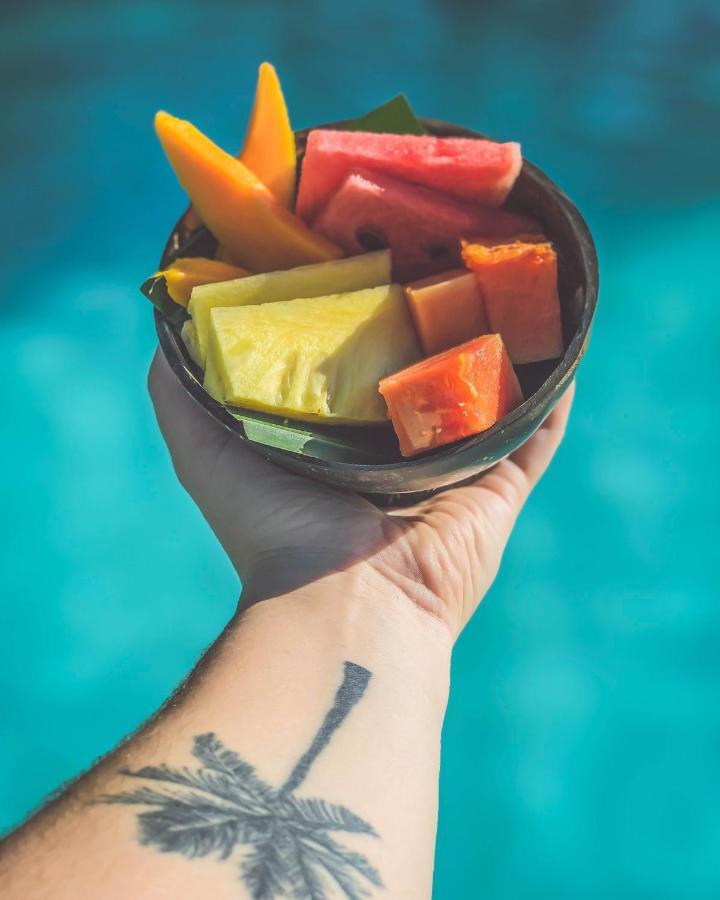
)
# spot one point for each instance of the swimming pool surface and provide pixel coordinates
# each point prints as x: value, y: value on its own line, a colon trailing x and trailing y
x: 580, y: 754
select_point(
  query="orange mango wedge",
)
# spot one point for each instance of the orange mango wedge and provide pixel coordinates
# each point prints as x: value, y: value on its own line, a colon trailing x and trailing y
x: 189, y: 272
x: 257, y: 232
x: 269, y: 150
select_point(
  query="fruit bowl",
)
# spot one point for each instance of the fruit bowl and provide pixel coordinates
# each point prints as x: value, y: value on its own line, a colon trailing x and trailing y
x: 366, y: 459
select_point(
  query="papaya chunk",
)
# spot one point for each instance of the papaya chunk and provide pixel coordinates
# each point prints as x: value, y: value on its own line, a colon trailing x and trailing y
x: 452, y: 395
x: 518, y: 282
x: 447, y: 309
x: 255, y: 230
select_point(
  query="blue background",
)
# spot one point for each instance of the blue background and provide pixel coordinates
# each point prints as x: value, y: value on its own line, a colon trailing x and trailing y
x: 582, y: 742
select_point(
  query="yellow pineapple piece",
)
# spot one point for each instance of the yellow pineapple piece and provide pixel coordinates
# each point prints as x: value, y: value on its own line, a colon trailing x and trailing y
x: 317, y: 359
x: 189, y: 335
x: 316, y: 280
x: 188, y: 272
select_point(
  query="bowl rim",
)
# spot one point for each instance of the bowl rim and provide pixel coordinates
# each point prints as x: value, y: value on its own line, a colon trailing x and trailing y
x: 510, y: 429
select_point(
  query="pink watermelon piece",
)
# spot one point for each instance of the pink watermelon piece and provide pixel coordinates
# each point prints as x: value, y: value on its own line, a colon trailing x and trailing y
x: 422, y: 227
x: 471, y: 169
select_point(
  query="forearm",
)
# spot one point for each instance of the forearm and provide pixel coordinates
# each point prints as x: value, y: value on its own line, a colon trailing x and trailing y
x: 270, y: 691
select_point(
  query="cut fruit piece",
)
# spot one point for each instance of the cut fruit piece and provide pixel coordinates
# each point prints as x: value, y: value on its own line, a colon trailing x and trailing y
x: 472, y: 169
x: 318, y: 359
x: 269, y: 150
x: 337, y: 277
x: 492, y: 240
x: 189, y: 335
x: 235, y: 205
x: 518, y: 282
x: 422, y: 227
x: 188, y: 272
x: 451, y: 396
x: 213, y: 382
x: 447, y: 309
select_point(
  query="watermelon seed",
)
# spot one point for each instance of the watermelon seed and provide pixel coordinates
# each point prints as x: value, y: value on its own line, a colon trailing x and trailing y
x: 371, y: 239
x: 437, y: 251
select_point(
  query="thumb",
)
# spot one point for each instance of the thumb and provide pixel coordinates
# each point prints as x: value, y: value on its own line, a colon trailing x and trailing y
x: 192, y: 436
x: 482, y: 515
x: 235, y: 488
x: 515, y: 477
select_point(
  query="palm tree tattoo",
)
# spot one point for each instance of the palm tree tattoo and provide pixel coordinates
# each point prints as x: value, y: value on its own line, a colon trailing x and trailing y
x: 287, y: 840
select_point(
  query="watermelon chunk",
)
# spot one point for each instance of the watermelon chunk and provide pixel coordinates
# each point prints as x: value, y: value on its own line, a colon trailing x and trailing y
x: 447, y: 309
x: 421, y: 226
x: 518, y: 282
x: 453, y: 395
x: 474, y: 170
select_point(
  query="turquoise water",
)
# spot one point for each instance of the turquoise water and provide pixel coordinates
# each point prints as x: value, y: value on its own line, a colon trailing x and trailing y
x: 581, y: 746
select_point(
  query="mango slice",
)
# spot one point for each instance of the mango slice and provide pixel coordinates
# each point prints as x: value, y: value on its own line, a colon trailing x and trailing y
x: 188, y: 272
x: 239, y: 210
x: 317, y: 359
x: 337, y: 277
x: 269, y: 150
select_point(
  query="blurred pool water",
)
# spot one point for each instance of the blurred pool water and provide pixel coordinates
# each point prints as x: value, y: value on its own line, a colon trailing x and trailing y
x: 580, y: 750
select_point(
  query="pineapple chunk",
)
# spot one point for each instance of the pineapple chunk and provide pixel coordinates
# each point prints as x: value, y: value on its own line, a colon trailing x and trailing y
x: 189, y: 336
x: 316, y: 280
x: 317, y: 359
x: 213, y: 379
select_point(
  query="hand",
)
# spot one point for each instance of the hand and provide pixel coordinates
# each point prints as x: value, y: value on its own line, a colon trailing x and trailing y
x: 281, y: 530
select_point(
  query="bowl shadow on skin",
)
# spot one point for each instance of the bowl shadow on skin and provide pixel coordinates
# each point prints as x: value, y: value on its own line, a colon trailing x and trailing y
x: 387, y: 479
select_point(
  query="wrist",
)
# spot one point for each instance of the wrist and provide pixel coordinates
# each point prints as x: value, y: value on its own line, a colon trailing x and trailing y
x: 386, y: 574
x: 363, y: 613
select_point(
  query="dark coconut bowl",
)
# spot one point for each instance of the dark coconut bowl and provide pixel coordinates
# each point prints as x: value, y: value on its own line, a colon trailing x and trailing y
x: 367, y: 460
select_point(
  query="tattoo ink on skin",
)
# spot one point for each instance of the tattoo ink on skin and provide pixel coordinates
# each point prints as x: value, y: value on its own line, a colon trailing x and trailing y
x: 224, y: 804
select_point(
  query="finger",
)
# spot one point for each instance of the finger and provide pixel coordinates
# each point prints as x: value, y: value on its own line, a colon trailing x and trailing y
x: 198, y: 442
x: 502, y: 491
x: 536, y: 454
x: 514, y: 478
x: 188, y: 430
x: 242, y: 496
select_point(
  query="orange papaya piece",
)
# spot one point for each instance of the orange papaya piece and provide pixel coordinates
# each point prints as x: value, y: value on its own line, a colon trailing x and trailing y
x: 255, y: 230
x: 518, y: 282
x: 530, y: 237
x: 269, y: 150
x: 447, y: 310
x: 452, y: 395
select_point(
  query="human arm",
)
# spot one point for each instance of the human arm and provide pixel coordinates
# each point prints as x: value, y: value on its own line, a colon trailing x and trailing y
x: 350, y: 596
